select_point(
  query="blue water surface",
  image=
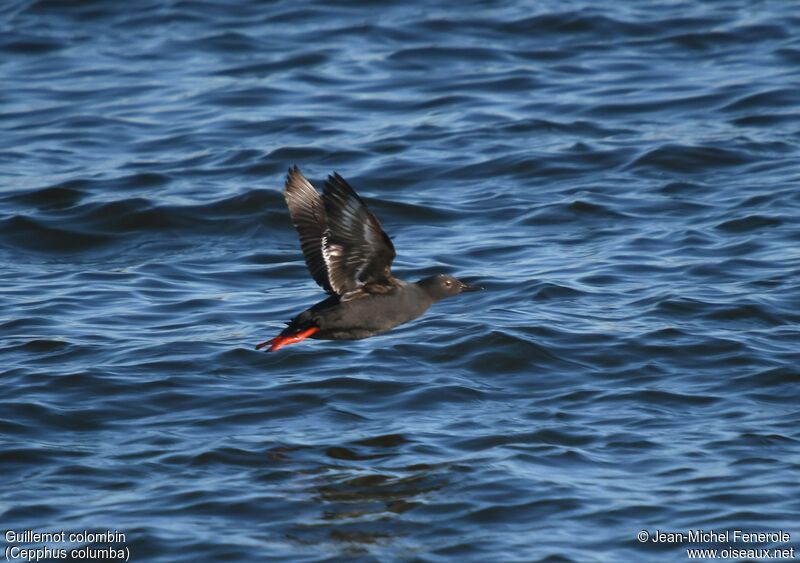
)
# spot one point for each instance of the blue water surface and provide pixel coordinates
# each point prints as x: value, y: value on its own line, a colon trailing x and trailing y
x: 623, y: 178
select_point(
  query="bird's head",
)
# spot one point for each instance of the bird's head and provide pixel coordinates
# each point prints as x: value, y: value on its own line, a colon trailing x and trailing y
x: 443, y: 285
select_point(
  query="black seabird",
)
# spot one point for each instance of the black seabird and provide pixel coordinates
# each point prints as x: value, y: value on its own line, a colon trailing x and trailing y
x: 349, y: 256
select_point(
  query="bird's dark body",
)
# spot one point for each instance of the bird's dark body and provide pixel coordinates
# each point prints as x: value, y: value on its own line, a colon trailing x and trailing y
x: 349, y: 255
x: 365, y: 315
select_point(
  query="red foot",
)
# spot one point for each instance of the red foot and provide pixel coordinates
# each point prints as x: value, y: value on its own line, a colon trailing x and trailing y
x: 280, y: 341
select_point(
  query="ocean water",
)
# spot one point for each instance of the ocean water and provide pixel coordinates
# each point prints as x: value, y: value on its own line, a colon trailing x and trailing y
x: 623, y: 178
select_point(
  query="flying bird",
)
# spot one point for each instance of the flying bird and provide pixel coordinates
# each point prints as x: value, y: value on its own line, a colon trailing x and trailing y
x: 349, y: 255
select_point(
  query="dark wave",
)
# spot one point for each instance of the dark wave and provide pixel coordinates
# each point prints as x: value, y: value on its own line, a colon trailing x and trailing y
x: 688, y: 159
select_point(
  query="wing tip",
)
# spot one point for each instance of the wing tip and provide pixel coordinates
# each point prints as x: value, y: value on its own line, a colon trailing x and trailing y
x: 339, y: 190
x: 296, y: 182
x: 292, y: 173
x: 336, y: 178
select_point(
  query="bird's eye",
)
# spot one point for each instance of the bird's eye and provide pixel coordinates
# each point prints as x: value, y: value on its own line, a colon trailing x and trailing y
x: 448, y: 283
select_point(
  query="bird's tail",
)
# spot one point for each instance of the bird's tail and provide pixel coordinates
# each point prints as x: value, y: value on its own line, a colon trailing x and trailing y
x: 290, y: 335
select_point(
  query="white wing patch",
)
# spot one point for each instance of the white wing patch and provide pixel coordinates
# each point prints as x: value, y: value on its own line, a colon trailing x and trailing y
x: 332, y: 254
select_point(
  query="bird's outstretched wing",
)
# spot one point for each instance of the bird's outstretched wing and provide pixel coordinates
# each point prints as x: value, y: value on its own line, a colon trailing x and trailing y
x: 355, y: 249
x: 308, y: 216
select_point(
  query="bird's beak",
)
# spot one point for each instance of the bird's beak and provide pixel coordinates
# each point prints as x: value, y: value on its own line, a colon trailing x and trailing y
x: 465, y: 287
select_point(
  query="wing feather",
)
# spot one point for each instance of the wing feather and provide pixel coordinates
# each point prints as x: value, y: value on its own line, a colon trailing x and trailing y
x: 307, y: 211
x: 355, y: 248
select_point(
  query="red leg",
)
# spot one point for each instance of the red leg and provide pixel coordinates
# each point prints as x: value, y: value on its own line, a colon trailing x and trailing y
x: 280, y: 341
x: 260, y: 346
